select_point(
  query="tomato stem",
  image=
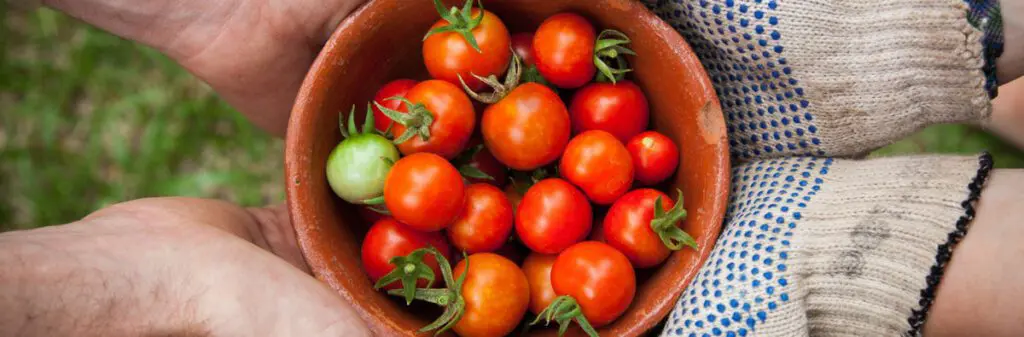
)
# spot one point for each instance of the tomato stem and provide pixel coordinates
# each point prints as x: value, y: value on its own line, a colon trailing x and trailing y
x: 349, y: 130
x: 665, y: 224
x: 611, y: 44
x: 512, y: 78
x: 563, y: 310
x: 408, y: 269
x: 459, y: 21
x: 450, y: 298
x: 417, y: 120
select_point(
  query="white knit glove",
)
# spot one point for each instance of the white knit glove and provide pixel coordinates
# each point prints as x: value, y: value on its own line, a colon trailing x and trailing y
x: 815, y: 245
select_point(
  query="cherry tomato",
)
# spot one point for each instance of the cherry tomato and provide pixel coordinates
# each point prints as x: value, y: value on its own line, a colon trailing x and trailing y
x: 619, y: 108
x: 389, y: 238
x: 478, y: 160
x: 392, y: 89
x: 598, y: 277
x: 563, y: 48
x: 537, y: 268
x: 599, y: 164
x: 424, y: 191
x: 655, y: 157
x: 497, y: 294
x: 485, y: 222
x: 527, y: 129
x: 627, y: 227
x: 448, y: 55
x: 522, y: 45
x: 552, y: 216
x: 453, y: 119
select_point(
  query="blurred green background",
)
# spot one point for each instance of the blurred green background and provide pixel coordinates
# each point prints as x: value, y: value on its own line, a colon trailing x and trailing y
x: 88, y: 119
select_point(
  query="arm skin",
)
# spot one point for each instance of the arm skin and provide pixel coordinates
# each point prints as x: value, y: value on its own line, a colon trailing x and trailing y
x: 254, y: 53
x: 166, y: 267
x: 1010, y: 65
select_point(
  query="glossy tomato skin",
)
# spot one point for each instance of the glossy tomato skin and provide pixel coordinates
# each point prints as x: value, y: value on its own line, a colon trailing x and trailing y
x: 485, y: 222
x: 655, y: 157
x: 599, y: 277
x: 563, y: 47
x: 394, y: 88
x: 599, y: 164
x: 424, y: 191
x: 527, y: 129
x: 448, y: 55
x: 454, y: 119
x: 522, y: 45
x: 388, y: 238
x: 497, y: 294
x: 627, y: 227
x: 537, y: 268
x: 619, y: 108
x: 552, y: 216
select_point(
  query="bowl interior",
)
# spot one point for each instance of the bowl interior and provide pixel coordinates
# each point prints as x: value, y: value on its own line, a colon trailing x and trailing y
x: 381, y: 42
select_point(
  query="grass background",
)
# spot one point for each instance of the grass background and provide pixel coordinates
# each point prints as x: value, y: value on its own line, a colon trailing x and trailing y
x: 88, y: 119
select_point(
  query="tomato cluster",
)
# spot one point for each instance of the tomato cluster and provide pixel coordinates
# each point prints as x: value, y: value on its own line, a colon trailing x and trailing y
x: 525, y: 178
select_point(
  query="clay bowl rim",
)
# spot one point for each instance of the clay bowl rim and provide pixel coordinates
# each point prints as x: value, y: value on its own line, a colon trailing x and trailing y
x: 297, y: 161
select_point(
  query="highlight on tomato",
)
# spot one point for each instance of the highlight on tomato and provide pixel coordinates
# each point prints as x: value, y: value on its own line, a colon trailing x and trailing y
x: 655, y: 157
x: 619, y: 108
x: 424, y: 191
x: 466, y: 41
x: 485, y: 222
x: 639, y: 226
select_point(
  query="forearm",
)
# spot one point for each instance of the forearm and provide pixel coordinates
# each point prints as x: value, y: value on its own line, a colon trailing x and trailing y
x: 1010, y: 65
x: 62, y: 281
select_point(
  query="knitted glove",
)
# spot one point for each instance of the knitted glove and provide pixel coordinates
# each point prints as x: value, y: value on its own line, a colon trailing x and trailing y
x: 819, y: 245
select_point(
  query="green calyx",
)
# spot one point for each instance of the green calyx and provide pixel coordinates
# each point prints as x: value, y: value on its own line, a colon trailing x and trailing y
x: 563, y: 310
x: 369, y: 125
x: 408, y: 269
x: 417, y: 120
x: 611, y: 45
x: 450, y: 298
x: 522, y: 181
x: 464, y: 163
x: 460, y: 21
x: 512, y: 77
x: 665, y: 224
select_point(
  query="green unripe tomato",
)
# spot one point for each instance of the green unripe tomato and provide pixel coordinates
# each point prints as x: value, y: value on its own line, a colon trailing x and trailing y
x: 358, y: 166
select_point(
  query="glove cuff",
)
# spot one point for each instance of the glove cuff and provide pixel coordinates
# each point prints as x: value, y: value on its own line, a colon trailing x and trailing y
x: 881, y: 238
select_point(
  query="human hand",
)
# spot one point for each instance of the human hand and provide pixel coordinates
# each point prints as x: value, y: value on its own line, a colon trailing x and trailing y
x: 816, y: 244
x: 254, y: 53
x: 166, y: 266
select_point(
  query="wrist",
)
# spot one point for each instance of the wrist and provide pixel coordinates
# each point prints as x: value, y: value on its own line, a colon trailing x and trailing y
x: 59, y: 281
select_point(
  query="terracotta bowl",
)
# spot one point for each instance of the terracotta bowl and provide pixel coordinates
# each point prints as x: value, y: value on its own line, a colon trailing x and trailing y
x: 381, y: 42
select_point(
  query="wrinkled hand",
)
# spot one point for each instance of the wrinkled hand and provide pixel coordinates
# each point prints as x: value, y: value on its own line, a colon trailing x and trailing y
x: 168, y: 266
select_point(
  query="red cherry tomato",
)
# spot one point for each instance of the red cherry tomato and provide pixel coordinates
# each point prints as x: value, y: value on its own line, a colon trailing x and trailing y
x: 424, y: 191
x: 453, y: 119
x: 485, y: 222
x: 527, y: 129
x: 598, y: 277
x: 619, y: 108
x: 448, y: 55
x: 497, y: 294
x: 552, y: 216
x: 537, y: 268
x: 522, y: 45
x: 599, y: 164
x: 627, y: 227
x: 655, y: 157
x: 389, y: 238
x: 563, y: 47
x: 396, y: 88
